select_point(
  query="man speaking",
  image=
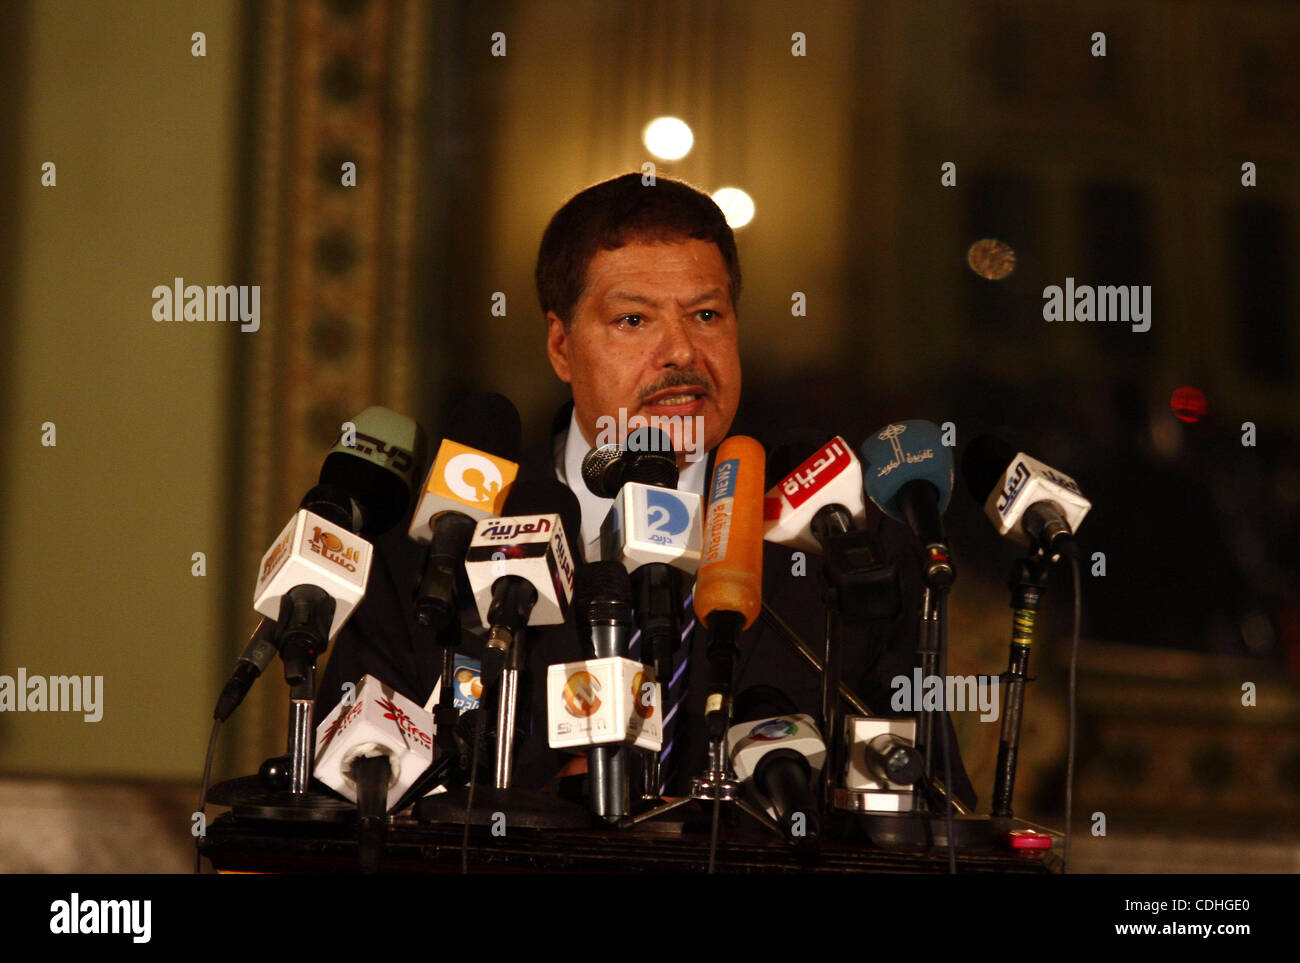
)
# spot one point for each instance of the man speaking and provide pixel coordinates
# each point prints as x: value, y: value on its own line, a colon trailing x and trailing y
x: 639, y: 283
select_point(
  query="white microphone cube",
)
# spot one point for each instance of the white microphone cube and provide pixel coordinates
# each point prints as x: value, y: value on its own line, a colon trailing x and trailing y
x: 649, y: 523
x: 859, y: 731
x: 313, y: 551
x: 751, y: 741
x: 1026, y: 482
x: 532, y: 547
x: 379, y: 720
x: 600, y: 702
x: 833, y: 475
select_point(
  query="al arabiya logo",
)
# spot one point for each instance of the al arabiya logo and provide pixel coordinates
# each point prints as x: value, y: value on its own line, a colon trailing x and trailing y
x: 773, y: 729
x: 472, y: 477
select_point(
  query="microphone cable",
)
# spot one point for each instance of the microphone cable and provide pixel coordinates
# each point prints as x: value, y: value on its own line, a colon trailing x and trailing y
x: 469, y: 796
x: 943, y: 733
x: 203, y: 796
x: 1073, y: 698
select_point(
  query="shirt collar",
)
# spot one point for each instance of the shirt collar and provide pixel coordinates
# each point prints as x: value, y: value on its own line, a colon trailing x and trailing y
x: 570, y: 449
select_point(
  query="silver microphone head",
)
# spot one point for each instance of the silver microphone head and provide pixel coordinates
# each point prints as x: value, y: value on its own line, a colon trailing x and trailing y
x: 601, y: 470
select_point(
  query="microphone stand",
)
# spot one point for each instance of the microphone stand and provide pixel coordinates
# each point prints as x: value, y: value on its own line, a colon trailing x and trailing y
x: 928, y: 649
x: 717, y: 783
x: 856, y: 589
x: 305, y: 615
x: 657, y: 587
x: 1028, y: 581
x: 524, y: 807
x: 850, y: 697
x: 306, y: 612
x: 507, y: 708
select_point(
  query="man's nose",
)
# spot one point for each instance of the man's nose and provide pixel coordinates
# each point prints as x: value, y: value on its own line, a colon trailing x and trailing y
x: 676, y: 348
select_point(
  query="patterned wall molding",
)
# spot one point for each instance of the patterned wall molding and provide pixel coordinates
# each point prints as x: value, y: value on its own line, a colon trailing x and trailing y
x: 334, y: 82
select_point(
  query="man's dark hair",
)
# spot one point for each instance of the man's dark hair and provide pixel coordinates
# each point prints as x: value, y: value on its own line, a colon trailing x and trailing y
x: 608, y: 215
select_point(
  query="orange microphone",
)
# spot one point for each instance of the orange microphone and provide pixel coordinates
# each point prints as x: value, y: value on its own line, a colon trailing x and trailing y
x: 729, y: 586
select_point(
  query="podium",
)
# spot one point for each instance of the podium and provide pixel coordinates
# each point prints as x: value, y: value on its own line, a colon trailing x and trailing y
x: 254, y: 845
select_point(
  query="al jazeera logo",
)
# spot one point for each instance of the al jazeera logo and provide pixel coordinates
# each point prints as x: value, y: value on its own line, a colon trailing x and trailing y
x: 581, y: 697
x: 470, y: 476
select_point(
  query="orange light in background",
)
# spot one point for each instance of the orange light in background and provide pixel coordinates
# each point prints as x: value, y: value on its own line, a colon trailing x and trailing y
x: 737, y: 206
x: 991, y: 259
x: 668, y: 138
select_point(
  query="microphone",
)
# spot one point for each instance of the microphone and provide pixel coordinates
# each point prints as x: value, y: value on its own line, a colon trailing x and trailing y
x: 1027, y: 501
x: 818, y: 506
x: 647, y: 457
x: 380, y: 723
x: 314, y: 574
x: 602, y: 594
x: 650, y: 521
x: 654, y: 531
x: 377, y: 466
x: 779, y: 751
x: 729, y: 587
x: 312, y: 578
x: 908, y: 476
x: 521, y: 566
x: 602, y: 606
x: 831, y: 477
x: 469, y: 480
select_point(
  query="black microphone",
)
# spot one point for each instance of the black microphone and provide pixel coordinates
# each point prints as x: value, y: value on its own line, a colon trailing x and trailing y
x: 513, y: 566
x: 364, y: 487
x: 602, y: 608
x: 908, y: 474
x: 652, y: 530
x: 647, y: 458
x: 480, y: 446
x: 378, y: 467
x: 782, y: 754
x: 1027, y: 501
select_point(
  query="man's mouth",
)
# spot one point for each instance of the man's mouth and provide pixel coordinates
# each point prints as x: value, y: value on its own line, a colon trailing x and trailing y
x: 680, y: 398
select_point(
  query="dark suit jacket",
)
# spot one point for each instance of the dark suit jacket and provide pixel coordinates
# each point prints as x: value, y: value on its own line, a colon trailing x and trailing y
x: 383, y: 639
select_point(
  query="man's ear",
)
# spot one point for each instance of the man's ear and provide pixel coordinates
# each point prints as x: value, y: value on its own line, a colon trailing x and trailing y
x: 557, y: 346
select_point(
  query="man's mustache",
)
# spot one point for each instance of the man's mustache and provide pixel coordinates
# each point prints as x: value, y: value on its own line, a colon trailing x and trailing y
x: 676, y: 379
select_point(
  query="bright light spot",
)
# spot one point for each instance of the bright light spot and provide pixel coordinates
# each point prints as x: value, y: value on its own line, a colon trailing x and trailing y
x: 668, y: 138
x: 737, y: 206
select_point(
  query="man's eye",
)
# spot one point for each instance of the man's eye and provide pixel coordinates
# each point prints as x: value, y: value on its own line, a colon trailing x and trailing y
x: 630, y: 321
x: 714, y: 315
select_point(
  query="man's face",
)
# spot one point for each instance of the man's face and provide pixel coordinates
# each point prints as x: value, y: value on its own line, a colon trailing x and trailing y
x: 654, y: 333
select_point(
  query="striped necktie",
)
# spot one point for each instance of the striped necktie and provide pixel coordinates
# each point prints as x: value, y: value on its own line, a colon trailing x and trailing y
x: 674, y: 693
